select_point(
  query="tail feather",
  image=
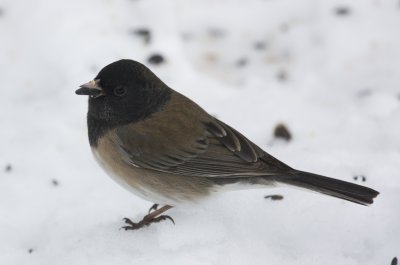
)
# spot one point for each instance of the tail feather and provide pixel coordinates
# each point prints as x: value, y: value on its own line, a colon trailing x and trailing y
x: 333, y: 187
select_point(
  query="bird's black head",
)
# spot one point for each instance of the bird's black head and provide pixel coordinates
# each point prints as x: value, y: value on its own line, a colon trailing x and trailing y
x: 124, y: 91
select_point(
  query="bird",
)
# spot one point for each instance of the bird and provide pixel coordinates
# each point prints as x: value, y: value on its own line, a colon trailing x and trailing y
x: 166, y: 149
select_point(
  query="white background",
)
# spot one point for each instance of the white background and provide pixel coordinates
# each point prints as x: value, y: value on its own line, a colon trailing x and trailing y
x: 340, y: 100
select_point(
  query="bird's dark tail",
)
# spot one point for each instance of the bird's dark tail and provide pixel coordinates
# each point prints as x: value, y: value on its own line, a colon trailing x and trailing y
x: 333, y: 187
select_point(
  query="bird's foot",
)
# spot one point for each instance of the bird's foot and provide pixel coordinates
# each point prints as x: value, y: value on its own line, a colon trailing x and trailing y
x: 145, y: 222
x: 152, y: 217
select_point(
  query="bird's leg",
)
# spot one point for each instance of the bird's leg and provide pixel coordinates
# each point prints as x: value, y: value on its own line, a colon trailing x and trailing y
x: 153, y: 217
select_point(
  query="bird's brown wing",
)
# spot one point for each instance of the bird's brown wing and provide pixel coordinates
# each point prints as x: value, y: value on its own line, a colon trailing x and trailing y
x: 192, y: 143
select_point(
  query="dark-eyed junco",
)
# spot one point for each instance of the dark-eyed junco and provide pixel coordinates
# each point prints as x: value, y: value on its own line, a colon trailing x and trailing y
x: 166, y: 149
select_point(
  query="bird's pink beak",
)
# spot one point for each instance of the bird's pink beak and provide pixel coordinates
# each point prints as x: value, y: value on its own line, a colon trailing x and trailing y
x: 92, y: 89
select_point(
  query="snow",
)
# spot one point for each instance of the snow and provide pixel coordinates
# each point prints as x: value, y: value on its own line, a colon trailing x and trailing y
x: 332, y: 78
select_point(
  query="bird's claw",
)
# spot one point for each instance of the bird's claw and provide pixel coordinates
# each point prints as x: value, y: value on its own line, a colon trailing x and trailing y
x: 153, y: 208
x: 162, y: 218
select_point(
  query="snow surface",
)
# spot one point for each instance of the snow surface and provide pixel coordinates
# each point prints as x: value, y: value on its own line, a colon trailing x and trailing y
x: 329, y: 70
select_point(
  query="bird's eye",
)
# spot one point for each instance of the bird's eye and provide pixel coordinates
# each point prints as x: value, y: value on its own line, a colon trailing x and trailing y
x: 120, y: 91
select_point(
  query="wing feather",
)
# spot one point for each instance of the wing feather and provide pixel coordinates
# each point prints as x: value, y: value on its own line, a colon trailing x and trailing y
x: 215, y: 151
